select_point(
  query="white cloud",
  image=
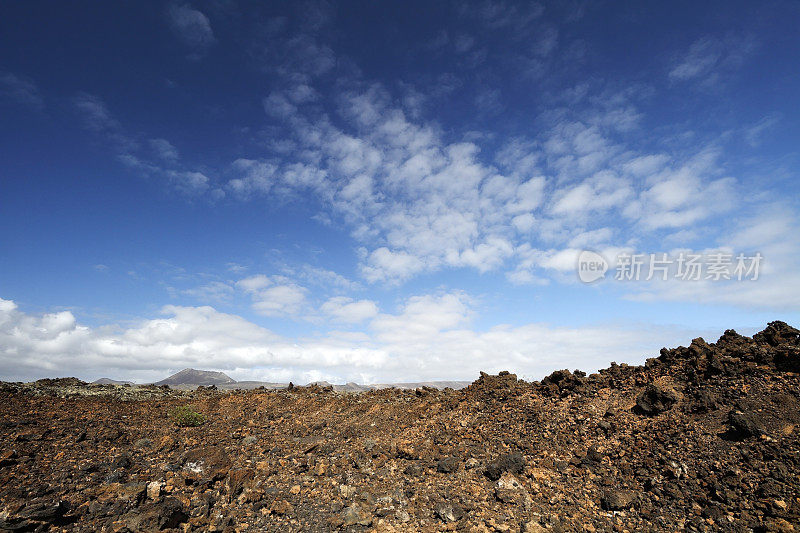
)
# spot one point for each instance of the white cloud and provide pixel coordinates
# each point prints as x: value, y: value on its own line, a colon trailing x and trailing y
x: 528, y: 196
x: 534, y: 263
x: 215, y: 291
x: 524, y: 223
x: 708, y: 59
x: 257, y: 177
x: 646, y: 165
x: 302, y: 93
x: 770, y: 230
x: 700, y: 59
x: 428, y: 339
x: 680, y: 197
x: 280, y: 300
x: 418, y: 202
x: 278, y: 105
x: 20, y: 90
x: 164, y: 150
x: 322, y: 277
x: 385, y: 265
x: 513, y: 20
x: 592, y: 238
x: 601, y: 192
x: 274, y: 296
x: 344, y: 309
x: 254, y: 283
x: 99, y: 119
x: 236, y: 268
x: 188, y: 182
x: 561, y: 260
x: 422, y: 318
x: 191, y: 26
x: 55, y: 344
x: 755, y: 133
x: 95, y: 113
x: 485, y: 256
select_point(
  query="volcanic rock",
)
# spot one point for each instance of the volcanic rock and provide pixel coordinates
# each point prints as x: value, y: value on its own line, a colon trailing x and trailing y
x: 655, y: 399
x: 449, y: 513
x: 157, y: 516
x: 210, y: 463
x: 447, y: 465
x: 617, y: 500
x: 748, y: 424
x: 511, y: 462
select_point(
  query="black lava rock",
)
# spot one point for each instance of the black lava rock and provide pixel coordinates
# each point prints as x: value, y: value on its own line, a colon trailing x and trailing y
x: 512, y: 462
x: 654, y: 400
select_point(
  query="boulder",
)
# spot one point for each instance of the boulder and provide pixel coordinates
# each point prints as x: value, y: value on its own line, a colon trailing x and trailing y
x: 655, y: 399
x: 617, y: 499
x: 747, y: 424
x: 511, y: 462
x: 209, y: 463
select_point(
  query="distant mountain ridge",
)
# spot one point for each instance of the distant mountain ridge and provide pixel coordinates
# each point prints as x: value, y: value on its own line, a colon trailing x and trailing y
x: 190, y: 378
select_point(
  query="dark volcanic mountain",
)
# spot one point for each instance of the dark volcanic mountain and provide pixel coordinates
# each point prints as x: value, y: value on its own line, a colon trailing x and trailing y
x: 190, y: 376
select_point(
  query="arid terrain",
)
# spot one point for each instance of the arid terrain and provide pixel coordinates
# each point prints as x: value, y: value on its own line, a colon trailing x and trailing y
x: 699, y: 439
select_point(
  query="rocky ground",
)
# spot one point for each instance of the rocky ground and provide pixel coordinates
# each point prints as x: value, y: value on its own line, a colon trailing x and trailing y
x: 700, y: 438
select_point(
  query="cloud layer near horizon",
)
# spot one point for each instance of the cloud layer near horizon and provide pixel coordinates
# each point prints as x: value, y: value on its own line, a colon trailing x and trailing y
x: 429, y: 338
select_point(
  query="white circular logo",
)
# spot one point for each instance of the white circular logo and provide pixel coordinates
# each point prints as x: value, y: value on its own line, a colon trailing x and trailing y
x: 591, y: 266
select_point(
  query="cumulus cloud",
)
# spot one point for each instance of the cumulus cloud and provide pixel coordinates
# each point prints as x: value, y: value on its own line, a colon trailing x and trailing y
x: 681, y: 196
x: 386, y: 265
x: 274, y: 296
x: 187, y: 181
x: 534, y: 264
x: 423, y: 317
x: 601, y: 192
x: 426, y: 203
x: 257, y: 177
x: 417, y: 202
x: 280, y: 300
x: 429, y: 338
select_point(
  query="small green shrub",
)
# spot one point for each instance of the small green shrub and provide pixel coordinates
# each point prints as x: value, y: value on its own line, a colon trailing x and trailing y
x: 185, y: 416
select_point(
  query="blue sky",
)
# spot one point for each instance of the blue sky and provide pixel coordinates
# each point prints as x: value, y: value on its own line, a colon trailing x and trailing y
x: 381, y: 192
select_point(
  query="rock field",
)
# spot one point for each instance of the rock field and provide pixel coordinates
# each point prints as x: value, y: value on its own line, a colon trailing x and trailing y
x: 703, y: 438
